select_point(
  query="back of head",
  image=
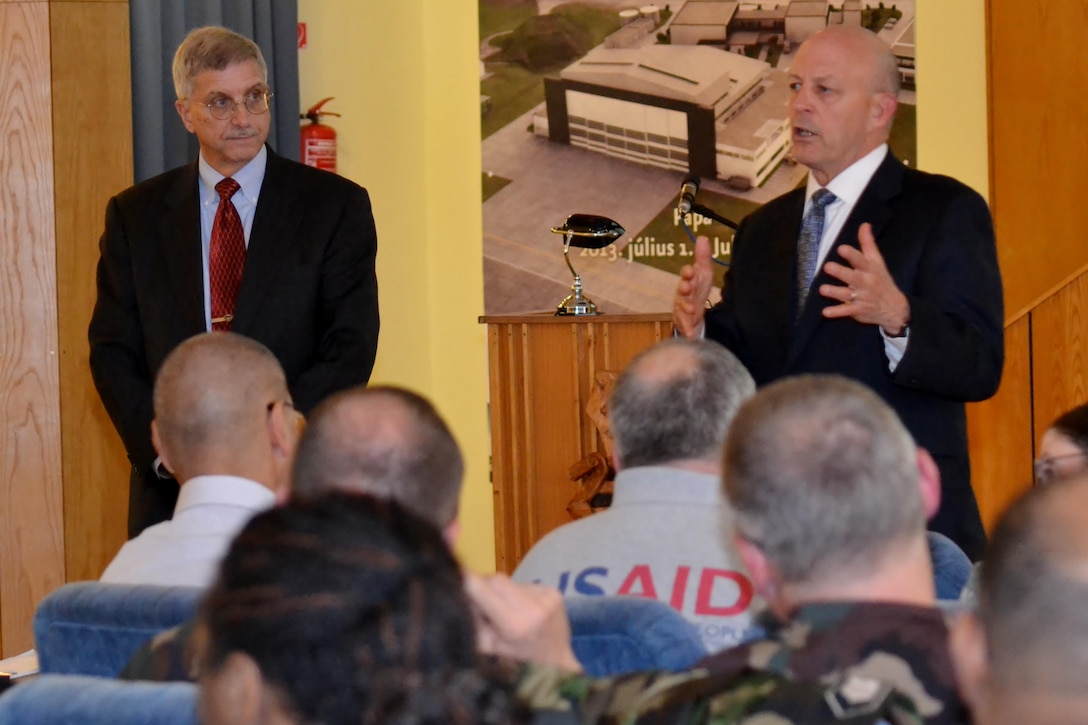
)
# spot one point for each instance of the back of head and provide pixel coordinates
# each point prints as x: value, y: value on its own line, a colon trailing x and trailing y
x: 675, y: 402
x: 1033, y: 593
x: 823, y: 477
x: 212, y: 395
x: 1073, y: 424
x: 351, y: 608
x: 386, y: 442
x: 212, y: 48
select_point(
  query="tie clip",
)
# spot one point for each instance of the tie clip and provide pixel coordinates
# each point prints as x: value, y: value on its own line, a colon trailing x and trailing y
x: 224, y: 318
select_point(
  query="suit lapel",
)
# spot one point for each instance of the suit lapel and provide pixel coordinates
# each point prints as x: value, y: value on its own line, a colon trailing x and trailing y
x: 779, y: 294
x: 874, y: 207
x: 274, y: 226
x: 179, y: 227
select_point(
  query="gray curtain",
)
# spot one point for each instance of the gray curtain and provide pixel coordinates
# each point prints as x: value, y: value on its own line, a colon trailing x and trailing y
x: 160, y: 141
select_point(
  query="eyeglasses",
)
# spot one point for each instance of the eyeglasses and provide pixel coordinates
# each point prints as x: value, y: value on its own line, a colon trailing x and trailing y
x: 222, y: 107
x: 1045, y: 469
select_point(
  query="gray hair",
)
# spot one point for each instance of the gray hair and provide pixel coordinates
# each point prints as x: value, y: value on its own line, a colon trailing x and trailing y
x: 675, y: 402
x: 387, y: 442
x: 212, y: 48
x: 1033, y: 590
x: 823, y: 477
x: 211, y: 392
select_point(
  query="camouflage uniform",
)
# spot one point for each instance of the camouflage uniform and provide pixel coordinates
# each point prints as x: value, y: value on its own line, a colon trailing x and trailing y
x: 835, y: 662
x: 851, y: 663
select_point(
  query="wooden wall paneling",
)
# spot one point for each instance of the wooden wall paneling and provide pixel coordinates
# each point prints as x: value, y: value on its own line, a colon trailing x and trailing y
x: 1059, y: 353
x: 92, y: 122
x: 1038, y: 109
x: 999, y: 430
x: 31, y: 529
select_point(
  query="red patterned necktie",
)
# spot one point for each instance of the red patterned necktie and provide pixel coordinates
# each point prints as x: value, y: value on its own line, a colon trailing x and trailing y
x: 227, y: 256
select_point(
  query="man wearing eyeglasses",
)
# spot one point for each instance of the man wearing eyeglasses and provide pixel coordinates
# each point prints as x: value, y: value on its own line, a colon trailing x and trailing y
x: 240, y: 239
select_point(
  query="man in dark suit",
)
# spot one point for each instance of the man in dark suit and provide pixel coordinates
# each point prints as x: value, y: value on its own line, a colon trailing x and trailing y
x: 172, y: 259
x: 909, y: 302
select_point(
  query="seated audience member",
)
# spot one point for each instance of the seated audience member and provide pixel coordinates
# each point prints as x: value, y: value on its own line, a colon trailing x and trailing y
x: 668, y: 532
x: 342, y: 609
x: 1023, y: 657
x: 1063, y: 451
x: 383, y: 441
x: 830, y: 497
x: 386, y: 442
x: 225, y: 427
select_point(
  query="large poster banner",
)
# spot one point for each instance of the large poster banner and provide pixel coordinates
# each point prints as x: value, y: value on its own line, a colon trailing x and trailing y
x: 606, y: 107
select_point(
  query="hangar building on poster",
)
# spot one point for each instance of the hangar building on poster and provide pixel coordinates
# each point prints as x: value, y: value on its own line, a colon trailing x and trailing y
x: 690, y: 108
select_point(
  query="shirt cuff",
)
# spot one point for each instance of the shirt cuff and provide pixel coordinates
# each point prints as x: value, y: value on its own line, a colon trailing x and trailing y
x: 894, y: 348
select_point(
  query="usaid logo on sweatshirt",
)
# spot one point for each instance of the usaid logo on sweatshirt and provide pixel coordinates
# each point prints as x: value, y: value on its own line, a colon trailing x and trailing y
x: 717, y: 601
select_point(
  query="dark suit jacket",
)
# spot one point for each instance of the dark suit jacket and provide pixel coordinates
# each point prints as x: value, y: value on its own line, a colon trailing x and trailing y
x: 309, y: 291
x: 937, y: 240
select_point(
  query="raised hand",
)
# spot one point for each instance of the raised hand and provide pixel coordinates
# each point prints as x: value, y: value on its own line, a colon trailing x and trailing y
x: 689, y: 304
x: 868, y: 293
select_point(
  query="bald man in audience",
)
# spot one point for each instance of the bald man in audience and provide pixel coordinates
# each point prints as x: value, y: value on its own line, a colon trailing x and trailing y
x: 387, y: 442
x: 382, y: 441
x: 225, y: 427
x: 1023, y: 657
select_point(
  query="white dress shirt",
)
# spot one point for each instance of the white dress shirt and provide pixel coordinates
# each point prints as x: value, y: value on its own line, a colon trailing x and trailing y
x: 187, y: 549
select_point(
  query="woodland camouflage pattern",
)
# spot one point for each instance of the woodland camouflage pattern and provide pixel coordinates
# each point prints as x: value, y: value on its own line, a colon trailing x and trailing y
x: 834, y: 662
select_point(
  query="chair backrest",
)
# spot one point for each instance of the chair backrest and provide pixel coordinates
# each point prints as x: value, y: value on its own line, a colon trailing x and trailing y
x: 79, y: 700
x: 951, y: 567
x: 614, y: 635
x: 89, y: 628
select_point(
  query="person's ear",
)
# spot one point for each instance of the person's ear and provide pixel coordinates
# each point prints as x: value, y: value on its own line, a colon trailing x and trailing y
x: 970, y: 655
x: 185, y: 112
x: 233, y: 693
x: 156, y: 442
x: 929, y: 482
x: 760, y: 571
x: 282, y: 430
x: 451, y: 532
x: 883, y: 108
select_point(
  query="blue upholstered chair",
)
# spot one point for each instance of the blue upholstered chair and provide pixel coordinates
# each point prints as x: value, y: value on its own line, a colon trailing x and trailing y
x: 614, y: 635
x: 89, y: 628
x: 951, y: 567
x: 79, y: 700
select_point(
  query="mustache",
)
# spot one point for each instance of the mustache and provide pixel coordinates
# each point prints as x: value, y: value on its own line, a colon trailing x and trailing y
x: 242, y: 133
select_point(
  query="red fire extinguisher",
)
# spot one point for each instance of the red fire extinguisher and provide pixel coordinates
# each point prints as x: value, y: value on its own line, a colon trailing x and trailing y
x: 318, y: 141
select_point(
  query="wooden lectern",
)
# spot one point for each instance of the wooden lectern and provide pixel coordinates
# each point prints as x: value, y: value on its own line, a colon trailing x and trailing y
x: 542, y: 369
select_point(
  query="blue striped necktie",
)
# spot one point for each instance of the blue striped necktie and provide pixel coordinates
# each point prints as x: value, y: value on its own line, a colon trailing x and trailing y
x: 808, y: 244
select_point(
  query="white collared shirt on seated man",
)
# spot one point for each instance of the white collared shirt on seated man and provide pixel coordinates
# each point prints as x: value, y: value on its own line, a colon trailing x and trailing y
x: 187, y: 549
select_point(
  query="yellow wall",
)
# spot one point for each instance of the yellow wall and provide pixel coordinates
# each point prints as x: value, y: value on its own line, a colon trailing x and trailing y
x: 406, y: 81
x: 406, y: 77
x: 953, y: 137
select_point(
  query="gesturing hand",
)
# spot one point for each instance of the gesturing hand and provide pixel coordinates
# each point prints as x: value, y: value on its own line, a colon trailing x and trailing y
x: 526, y: 622
x: 868, y: 293
x: 689, y: 304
